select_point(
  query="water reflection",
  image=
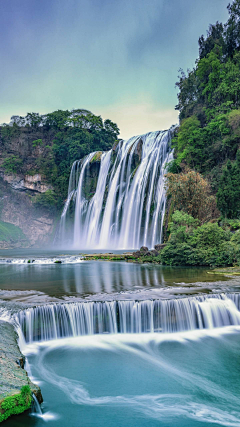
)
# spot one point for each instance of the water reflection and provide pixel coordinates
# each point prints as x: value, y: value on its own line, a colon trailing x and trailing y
x: 93, y: 277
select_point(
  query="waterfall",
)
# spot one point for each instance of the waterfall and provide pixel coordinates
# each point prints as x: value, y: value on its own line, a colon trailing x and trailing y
x: 118, y: 197
x: 36, y: 408
x: 75, y: 319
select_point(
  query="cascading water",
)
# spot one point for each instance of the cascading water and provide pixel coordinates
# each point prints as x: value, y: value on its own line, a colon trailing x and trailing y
x: 36, y: 408
x: 121, y: 205
x: 75, y: 319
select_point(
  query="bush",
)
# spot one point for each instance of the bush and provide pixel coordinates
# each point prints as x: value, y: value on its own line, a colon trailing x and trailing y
x: 46, y: 200
x: 13, y: 164
x: 191, y: 193
x: 208, y: 244
x: 37, y: 142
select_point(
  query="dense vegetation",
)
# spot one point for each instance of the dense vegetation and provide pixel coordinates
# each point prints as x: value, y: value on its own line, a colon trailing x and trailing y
x: 208, y: 244
x: 55, y: 141
x: 209, y: 100
x: 203, y: 181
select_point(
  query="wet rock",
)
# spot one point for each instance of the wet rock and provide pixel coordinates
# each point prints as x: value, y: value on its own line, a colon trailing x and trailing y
x: 12, y: 375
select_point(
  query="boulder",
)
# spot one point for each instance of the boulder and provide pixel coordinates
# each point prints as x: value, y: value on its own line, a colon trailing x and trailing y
x: 12, y: 373
x: 148, y: 253
x: 144, y: 249
x: 136, y: 254
x: 159, y: 247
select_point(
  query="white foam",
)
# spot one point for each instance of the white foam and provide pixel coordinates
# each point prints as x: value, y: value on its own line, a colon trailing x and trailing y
x: 155, y: 406
x: 42, y: 261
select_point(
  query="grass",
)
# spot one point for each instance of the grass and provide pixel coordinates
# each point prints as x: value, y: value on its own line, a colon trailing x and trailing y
x: 10, y: 232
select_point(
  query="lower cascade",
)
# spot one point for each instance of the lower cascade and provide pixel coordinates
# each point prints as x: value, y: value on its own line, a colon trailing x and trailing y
x: 118, y: 197
x: 75, y: 319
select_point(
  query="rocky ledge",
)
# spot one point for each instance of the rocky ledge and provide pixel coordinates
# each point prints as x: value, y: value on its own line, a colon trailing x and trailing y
x: 15, y: 386
x: 141, y: 256
x: 33, y: 183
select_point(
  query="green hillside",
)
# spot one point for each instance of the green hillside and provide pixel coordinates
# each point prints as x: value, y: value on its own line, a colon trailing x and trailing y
x: 10, y: 233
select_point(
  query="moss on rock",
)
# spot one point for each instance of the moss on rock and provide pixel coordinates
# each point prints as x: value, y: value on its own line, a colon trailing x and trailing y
x: 16, y: 404
x: 97, y: 157
x: 15, y: 387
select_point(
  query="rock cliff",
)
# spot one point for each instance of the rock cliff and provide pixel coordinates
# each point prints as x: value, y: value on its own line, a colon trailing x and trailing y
x: 19, y: 188
x: 14, y: 398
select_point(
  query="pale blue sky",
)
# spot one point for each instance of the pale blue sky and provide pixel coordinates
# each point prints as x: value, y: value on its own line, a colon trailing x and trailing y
x: 119, y: 59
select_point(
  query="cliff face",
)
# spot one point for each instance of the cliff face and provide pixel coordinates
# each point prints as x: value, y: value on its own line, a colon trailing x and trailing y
x: 19, y: 188
x: 17, y: 208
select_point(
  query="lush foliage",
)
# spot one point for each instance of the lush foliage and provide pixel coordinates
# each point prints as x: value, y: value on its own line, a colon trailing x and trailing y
x: 206, y: 168
x: 16, y: 404
x: 192, y: 194
x: 56, y: 141
x: 208, y: 244
x: 209, y: 106
x: 13, y: 164
x: 229, y: 190
x: 45, y: 200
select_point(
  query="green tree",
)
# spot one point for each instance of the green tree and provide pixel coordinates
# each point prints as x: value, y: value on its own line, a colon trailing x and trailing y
x: 228, y: 195
x: 191, y: 193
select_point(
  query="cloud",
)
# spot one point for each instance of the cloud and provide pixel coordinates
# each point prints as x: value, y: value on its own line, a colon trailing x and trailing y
x: 138, y: 117
x: 101, y: 56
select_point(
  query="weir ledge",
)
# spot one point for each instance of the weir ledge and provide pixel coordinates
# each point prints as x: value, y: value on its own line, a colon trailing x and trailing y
x: 16, y: 387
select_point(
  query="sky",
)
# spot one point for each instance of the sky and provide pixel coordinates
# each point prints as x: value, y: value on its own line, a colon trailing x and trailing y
x: 116, y: 58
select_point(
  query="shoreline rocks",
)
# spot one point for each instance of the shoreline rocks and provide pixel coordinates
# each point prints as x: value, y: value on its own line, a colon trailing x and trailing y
x: 142, y: 255
x: 16, y: 387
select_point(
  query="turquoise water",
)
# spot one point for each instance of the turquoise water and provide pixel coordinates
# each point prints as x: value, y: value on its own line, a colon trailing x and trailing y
x: 183, y: 380
x: 88, y: 277
x: 186, y: 379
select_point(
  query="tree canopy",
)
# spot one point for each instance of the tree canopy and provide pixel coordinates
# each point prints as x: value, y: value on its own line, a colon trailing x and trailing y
x: 208, y: 137
x: 56, y: 140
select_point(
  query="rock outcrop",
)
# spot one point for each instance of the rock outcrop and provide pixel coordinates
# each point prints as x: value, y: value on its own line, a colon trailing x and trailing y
x: 17, y: 208
x: 13, y: 377
x: 32, y: 183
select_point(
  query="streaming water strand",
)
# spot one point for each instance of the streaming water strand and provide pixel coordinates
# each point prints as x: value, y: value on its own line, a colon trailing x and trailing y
x: 128, y: 205
x: 54, y: 321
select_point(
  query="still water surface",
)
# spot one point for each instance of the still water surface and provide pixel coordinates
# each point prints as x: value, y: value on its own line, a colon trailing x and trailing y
x: 75, y: 277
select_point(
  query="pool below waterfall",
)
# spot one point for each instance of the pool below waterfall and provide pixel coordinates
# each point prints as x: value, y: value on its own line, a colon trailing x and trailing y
x: 121, y: 344
x: 183, y: 379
